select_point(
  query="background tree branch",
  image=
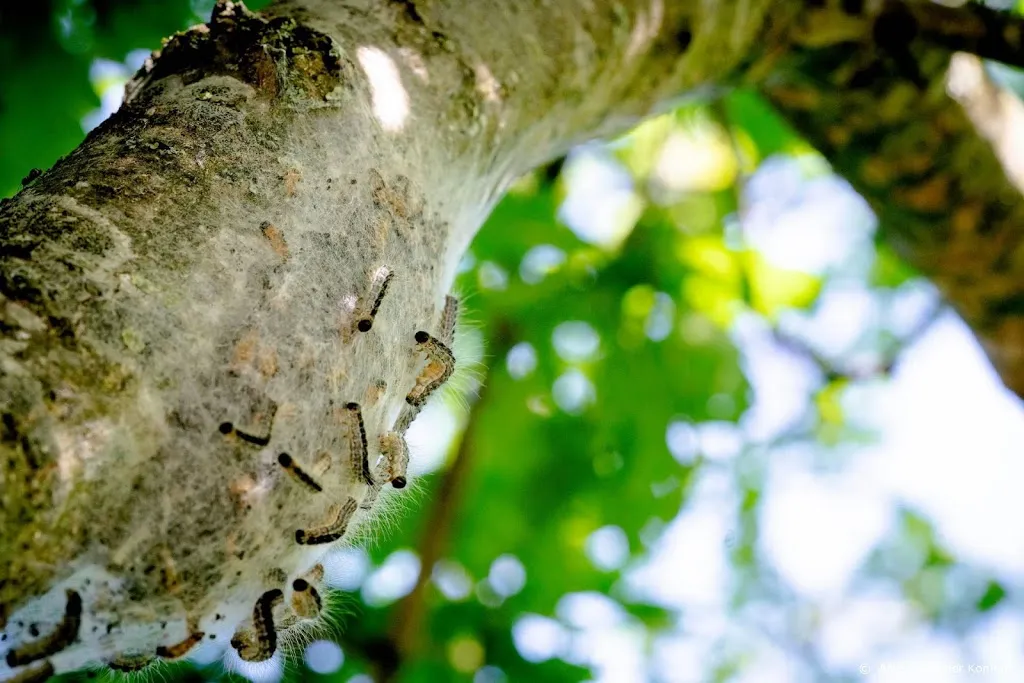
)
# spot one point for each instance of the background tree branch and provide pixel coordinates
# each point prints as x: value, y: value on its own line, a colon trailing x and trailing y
x: 887, y: 122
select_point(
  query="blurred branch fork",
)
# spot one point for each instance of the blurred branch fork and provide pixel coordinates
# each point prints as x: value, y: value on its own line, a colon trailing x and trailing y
x: 884, y: 365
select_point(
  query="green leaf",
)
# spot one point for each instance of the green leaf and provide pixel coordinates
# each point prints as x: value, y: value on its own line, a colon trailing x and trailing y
x: 889, y: 270
x: 994, y: 594
x: 749, y: 112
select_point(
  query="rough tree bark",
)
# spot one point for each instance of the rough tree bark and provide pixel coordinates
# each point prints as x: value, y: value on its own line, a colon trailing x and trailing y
x: 181, y: 297
x: 930, y: 148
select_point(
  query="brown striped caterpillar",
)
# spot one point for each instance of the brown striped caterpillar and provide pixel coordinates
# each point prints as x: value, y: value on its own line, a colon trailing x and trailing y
x: 396, y: 454
x: 306, y: 601
x: 34, y: 674
x: 358, y: 447
x: 378, y: 288
x: 264, y: 643
x: 61, y: 637
x: 181, y: 648
x: 297, y: 472
x: 339, y: 516
x: 130, y: 663
x: 226, y: 428
x: 305, y: 604
x: 440, y: 366
x: 392, y: 469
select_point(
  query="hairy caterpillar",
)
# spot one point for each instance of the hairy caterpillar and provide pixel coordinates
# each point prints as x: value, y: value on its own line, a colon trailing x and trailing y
x: 396, y: 453
x: 339, y: 516
x: 378, y: 288
x: 130, y: 663
x: 297, y: 472
x: 306, y: 601
x: 357, y: 444
x: 392, y: 469
x: 61, y: 637
x: 263, y: 642
x: 226, y: 428
x: 181, y: 648
x: 449, y: 317
x: 440, y: 366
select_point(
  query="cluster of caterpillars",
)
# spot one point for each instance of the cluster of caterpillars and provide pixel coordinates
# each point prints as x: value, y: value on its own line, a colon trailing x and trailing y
x: 271, y: 613
x: 392, y: 445
x: 260, y: 641
x: 257, y: 642
x: 34, y: 656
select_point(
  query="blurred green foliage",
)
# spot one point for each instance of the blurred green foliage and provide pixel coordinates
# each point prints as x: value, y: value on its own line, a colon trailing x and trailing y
x: 592, y: 350
x: 46, y: 50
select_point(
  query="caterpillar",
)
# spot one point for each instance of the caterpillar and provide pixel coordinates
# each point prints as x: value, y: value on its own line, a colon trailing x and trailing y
x: 226, y: 428
x: 306, y: 601
x: 396, y: 452
x: 60, y: 638
x: 180, y: 649
x: 331, y: 531
x: 297, y: 472
x: 449, y: 316
x: 130, y: 663
x: 358, y: 446
x: 378, y: 288
x: 264, y: 644
x: 440, y: 366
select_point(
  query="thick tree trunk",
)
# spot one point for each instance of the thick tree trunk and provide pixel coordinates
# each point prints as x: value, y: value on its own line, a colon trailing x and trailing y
x: 187, y: 295
x: 193, y: 292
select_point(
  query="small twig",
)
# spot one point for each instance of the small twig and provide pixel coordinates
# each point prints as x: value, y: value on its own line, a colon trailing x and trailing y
x: 833, y: 371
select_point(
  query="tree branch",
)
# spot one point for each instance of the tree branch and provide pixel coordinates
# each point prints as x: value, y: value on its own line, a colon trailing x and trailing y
x: 190, y: 274
x: 884, y: 365
x: 144, y: 306
x: 972, y: 27
x: 891, y: 25
x: 944, y: 199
